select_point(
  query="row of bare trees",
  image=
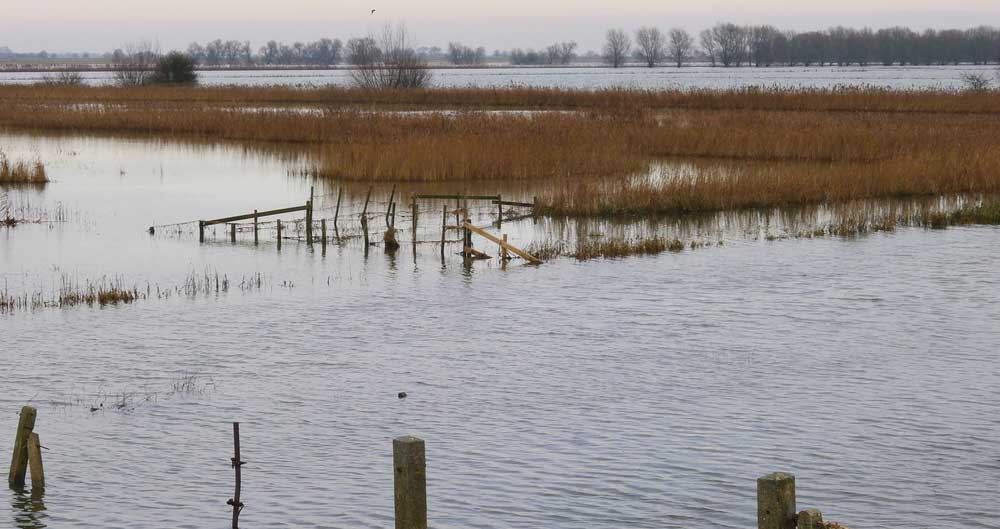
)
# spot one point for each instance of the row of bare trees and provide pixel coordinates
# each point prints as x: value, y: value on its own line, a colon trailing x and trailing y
x: 729, y: 44
x: 652, y: 47
x: 323, y: 52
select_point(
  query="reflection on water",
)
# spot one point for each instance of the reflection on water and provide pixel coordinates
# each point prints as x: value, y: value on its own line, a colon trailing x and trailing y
x: 28, y: 508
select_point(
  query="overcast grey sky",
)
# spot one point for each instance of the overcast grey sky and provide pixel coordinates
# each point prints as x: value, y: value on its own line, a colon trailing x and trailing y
x: 100, y: 25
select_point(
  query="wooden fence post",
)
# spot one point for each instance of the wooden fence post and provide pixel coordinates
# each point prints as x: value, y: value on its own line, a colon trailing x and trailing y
x: 810, y: 519
x: 237, y: 465
x: 35, y: 462
x: 415, y: 213
x: 776, y: 501
x: 410, y: 483
x: 255, y: 239
x: 444, y: 226
x: 499, y: 211
x: 309, y: 223
x: 336, y: 213
x: 201, y: 231
x: 19, y: 460
x: 232, y: 232
x: 322, y: 225
x: 279, y: 234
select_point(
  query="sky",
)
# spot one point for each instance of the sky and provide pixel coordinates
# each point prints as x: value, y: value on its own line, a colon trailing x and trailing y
x: 102, y: 25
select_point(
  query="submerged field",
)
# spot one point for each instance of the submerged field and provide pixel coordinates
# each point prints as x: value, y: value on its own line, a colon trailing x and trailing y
x: 735, y: 283
x: 587, y: 153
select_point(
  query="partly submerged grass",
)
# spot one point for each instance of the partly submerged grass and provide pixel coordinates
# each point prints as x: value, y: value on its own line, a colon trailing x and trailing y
x: 21, y: 172
x: 612, y: 248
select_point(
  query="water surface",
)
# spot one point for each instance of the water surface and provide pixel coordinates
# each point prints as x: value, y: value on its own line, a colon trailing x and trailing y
x: 644, y: 392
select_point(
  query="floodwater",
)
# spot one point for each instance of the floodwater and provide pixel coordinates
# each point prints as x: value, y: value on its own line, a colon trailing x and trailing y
x: 644, y: 392
x: 895, y: 77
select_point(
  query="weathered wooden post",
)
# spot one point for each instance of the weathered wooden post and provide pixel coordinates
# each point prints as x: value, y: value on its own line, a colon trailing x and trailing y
x: 504, y: 255
x: 322, y: 225
x: 810, y: 519
x: 410, y: 483
x: 279, y: 234
x: 444, y: 226
x: 309, y: 223
x: 776, y: 501
x: 255, y: 238
x: 201, y: 231
x: 336, y: 212
x: 499, y: 211
x: 35, y: 462
x: 388, y: 209
x: 415, y: 213
x: 232, y: 232
x: 534, y: 209
x: 237, y: 465
x: 19, y: 460
x: 364, y: 217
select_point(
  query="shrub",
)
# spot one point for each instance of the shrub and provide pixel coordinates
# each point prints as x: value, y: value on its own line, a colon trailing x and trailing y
x: 174, y: 68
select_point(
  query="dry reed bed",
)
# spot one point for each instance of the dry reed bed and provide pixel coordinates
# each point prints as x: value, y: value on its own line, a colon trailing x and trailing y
x: 791, y: 149
x: 752, y: 98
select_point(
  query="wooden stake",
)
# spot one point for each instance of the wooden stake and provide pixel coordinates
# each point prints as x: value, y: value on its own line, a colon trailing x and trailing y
x: 336, y: 212
x: 279, y: 234
x: 237, y: 466
x: 35, y: 462
x: 255, y: 236
x: 410, y: 483
x: 19, y: 459
x: 444, y: 226
x: 776, y: 501
x: 309, y: 223
x: 415, y: 213
x: 388, y: 209
x: 322, y: 225
x: 232, y: 232
x: 201, y: 231
x: 499, y: 212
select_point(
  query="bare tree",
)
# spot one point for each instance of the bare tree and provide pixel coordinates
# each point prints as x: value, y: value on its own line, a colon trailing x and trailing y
x: 708, y: 45
x: 651, y: 46
x: 616, y: 47
x: 387, y: 61
x: 680, y: 46
x: 133, y: 64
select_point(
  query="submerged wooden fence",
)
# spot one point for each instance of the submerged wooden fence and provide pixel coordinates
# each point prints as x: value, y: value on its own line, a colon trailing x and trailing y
x: 461, y: 213
x: 776, y: 508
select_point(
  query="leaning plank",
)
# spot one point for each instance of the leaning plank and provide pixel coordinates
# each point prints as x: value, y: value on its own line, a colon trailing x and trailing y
x: 259, y: 214
x: 514, y: 249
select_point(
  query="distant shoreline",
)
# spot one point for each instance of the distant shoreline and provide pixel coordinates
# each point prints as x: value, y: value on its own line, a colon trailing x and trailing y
x: 7, y: 66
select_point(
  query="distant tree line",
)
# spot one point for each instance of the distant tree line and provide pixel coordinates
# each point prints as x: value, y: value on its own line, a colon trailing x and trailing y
x: 323, y: 52
x: 559, y: 53
x: 732, y: 45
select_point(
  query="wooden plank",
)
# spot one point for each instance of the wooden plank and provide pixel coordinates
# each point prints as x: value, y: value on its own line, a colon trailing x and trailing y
x: 517, y: 251
x: 509, y: 203
x: 459, y: 197
x: 249, y: 216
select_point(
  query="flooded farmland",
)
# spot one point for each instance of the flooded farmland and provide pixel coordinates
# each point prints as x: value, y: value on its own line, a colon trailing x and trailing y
x: 637, y: 392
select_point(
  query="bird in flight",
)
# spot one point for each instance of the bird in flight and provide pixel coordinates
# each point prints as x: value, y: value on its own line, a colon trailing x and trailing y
x: 373, y: 11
